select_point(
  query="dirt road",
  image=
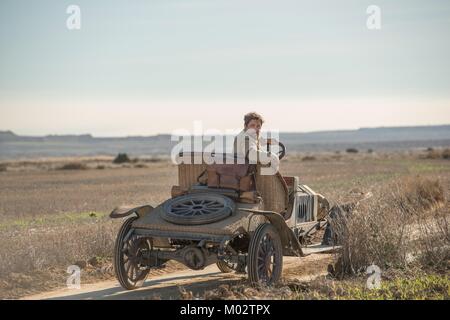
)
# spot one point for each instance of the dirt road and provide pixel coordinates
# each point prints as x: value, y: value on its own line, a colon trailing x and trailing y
x: 167, y: 286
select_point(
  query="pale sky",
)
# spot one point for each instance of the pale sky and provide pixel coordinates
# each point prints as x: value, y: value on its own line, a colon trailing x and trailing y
x: 145, y: 67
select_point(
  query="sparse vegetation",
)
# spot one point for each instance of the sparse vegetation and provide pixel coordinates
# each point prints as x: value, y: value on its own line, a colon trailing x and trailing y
x: 438, y: 153
x: 3, y: 167
x: 419, y: 286
x: 446, y: 154
x: 392, y: 227
x: 309, y: 158
x: 154, y: 159
x: 56, y: 243
x: 73, y: 166
x: 433, y: 154
x: 240, y: 291
x: 60, y: 221
x: 41, y: 250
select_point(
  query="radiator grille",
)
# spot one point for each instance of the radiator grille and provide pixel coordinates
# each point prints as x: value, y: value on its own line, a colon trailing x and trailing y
x: 305, y: 207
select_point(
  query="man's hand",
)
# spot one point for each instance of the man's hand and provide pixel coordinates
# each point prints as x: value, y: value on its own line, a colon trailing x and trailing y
x: 272, y: 141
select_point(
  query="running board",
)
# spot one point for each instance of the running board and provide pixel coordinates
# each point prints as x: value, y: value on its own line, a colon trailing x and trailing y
x: 319, y: 248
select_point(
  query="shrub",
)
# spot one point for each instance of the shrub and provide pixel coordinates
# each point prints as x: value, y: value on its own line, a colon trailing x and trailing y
x: 391, y: 228
x: 352, y: 150
x: 154, y: 159
x: 3, y: 168
x: 121, y: 158
x: 73, y: 166
x: 24, y: 251
x: 433, y: 154
x: 437, y: 154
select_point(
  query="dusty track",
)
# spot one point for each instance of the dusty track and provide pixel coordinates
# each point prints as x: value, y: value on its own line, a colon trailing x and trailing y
x: 167, y: 286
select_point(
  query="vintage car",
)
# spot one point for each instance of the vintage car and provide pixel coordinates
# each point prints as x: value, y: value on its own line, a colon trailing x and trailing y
x: 225, y: 214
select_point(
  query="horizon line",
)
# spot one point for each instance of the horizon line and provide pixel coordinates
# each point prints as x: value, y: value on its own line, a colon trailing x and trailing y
x: 170, y: 134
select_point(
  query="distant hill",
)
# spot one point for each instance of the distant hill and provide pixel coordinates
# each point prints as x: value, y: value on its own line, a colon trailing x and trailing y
x: 13, y: 146
x: 382, y: 134
x: 8, y: 136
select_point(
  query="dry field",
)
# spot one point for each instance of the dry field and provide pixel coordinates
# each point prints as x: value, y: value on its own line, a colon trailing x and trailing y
x: 51, y: 217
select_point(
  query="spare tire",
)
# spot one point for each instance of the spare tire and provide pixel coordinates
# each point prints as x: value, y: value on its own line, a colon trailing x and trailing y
x: 197, y: 209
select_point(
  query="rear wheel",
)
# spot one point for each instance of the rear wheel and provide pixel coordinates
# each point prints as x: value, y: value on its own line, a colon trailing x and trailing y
x: 128, y: 262
x: 265, y: 256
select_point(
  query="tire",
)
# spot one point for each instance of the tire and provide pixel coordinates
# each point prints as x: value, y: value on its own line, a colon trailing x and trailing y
x: 337, y: 218
x: 265, y: 256
x: 120, y: 265
x: 329, y: 238
x: 224, y: 267
x: 197, y: 209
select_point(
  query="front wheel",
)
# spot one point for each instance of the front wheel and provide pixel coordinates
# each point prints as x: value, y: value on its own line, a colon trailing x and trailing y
x: 265, y: 256
x: 128, y: 257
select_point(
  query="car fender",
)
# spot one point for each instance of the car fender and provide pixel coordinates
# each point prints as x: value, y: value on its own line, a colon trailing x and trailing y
x: 287, y: 236
x: 125, y: 211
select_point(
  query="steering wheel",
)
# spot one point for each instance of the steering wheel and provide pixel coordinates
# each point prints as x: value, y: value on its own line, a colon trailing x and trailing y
x: 281, y: 152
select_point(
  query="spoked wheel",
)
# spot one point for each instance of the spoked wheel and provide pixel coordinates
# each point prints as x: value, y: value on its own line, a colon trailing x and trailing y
x: 196, y: 209
x: 128, y: 252
x: 265, y: 256
x: 226, y: 266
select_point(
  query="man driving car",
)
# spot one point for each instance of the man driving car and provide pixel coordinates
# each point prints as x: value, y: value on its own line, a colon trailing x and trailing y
x: 248, y: 143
